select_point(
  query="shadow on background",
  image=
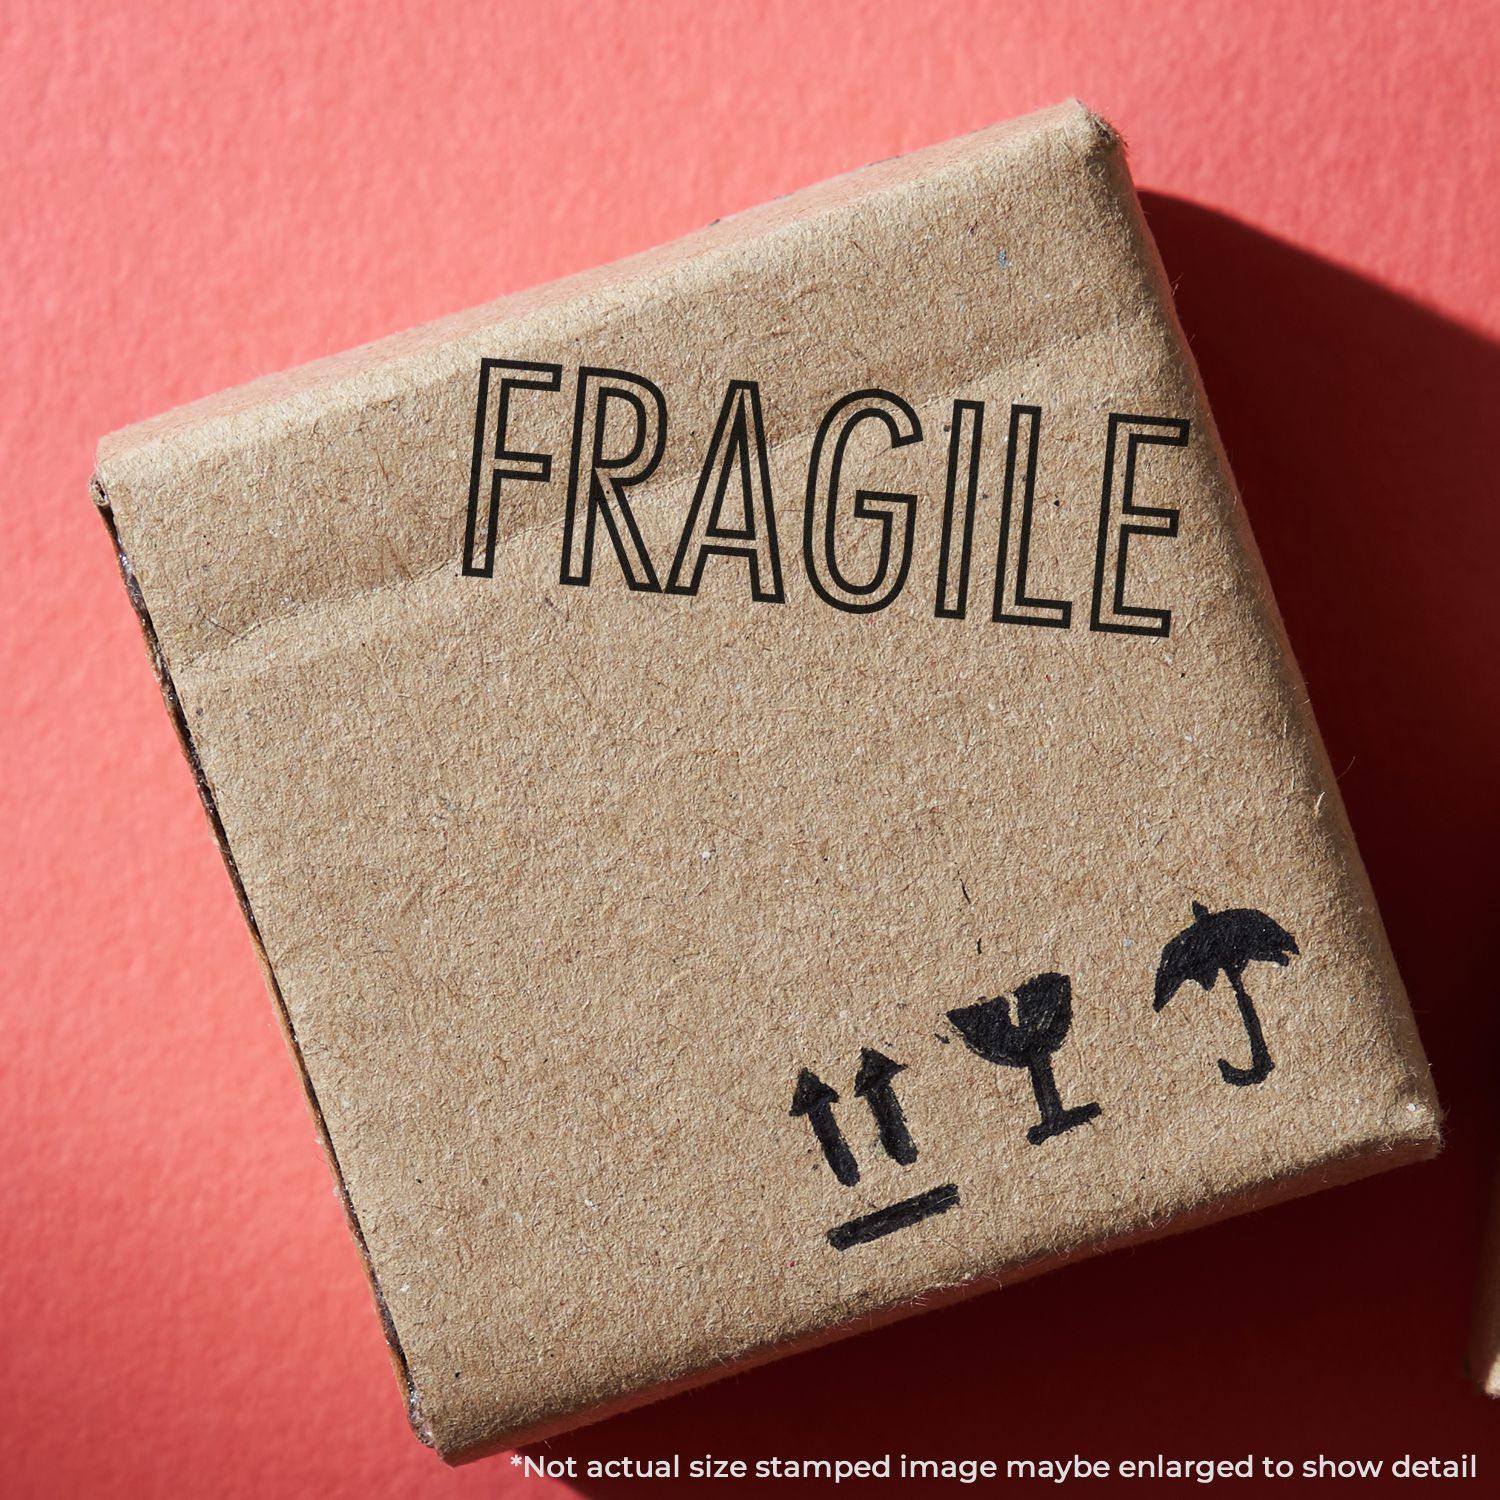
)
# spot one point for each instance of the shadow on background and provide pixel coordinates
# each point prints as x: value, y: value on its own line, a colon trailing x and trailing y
x: 1362, y: 429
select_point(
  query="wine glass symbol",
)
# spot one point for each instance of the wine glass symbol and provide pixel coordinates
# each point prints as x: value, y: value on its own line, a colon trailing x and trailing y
x: 1044, y: 1014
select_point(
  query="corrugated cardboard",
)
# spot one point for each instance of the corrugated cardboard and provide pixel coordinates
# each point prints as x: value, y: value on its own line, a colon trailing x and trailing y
x: 617, y: 866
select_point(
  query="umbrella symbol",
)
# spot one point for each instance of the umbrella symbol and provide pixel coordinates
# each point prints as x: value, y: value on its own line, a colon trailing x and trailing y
x: 1044, y: 1012
x: 1227, y: 942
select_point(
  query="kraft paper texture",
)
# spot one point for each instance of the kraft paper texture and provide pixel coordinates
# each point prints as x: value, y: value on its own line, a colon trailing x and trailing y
x: 769, y: 783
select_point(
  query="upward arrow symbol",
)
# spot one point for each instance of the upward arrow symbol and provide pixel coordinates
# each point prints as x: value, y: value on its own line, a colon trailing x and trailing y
x: 815, y: 1099
x: 873, y: 1084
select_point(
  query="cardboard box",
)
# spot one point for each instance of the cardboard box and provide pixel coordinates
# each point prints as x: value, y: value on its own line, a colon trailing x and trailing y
x: 769, y: 783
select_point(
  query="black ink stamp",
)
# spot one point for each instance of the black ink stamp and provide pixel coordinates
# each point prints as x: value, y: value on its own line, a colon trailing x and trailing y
x: 815, y: 1099
x: 875, y: 1084
x: 900, y: 1215
x: 1227, y: 942
x: 1044, y: 1015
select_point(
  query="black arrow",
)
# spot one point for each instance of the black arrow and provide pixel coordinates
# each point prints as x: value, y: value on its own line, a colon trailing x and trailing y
x: 815, y: 1099
x: 873, y: 1084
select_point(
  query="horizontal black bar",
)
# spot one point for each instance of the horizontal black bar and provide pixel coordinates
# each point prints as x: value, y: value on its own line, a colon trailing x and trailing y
x: 896, y: 1216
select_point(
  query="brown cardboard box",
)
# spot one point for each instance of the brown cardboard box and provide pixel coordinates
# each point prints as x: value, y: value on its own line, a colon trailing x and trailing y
x: 638, y: 712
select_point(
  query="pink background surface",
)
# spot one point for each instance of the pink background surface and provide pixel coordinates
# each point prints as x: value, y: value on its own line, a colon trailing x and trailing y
x: 196, y: 195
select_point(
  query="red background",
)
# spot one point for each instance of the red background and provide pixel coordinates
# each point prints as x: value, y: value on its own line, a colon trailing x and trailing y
x: 194, y: 196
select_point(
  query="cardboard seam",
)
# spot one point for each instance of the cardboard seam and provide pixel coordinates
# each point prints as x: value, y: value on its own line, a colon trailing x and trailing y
x: 221, y: 838
x: 668, y: 483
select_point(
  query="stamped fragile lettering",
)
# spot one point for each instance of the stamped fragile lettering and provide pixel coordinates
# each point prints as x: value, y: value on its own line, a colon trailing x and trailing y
x: 602, y: 474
